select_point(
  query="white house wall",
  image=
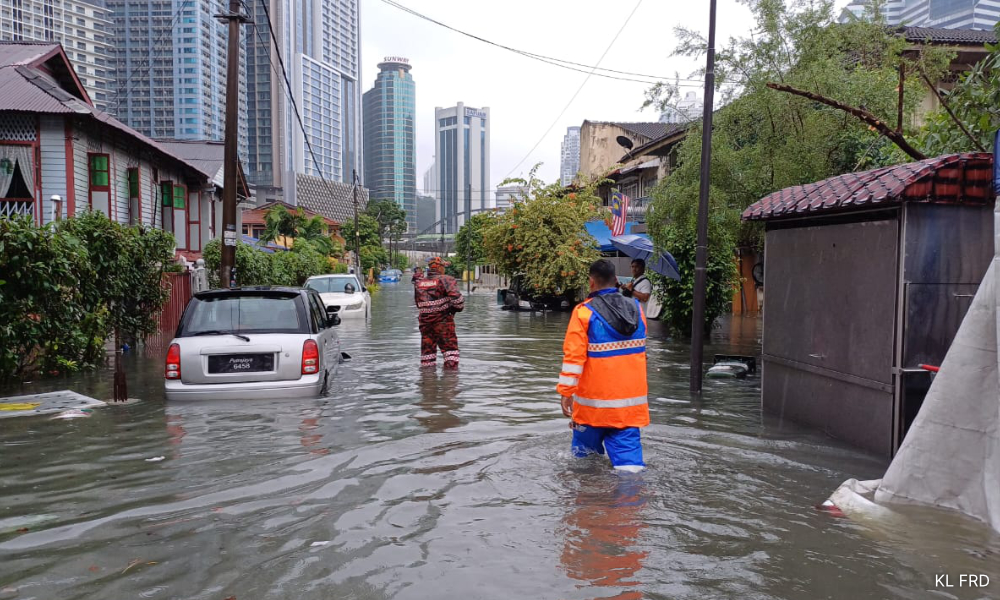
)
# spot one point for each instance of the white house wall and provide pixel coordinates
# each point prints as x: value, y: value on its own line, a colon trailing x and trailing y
x: 53, y: 150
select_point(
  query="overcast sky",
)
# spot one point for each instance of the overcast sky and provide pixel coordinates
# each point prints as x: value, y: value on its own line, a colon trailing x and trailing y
x: 525, y: 96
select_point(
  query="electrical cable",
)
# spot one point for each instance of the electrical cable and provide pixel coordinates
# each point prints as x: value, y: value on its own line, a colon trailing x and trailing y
x: 291, y: 97
x: 577, y: 93
x: 558, y: 62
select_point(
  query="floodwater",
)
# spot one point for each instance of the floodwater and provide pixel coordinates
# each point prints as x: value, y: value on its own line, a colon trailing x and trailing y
x: 404, y: 484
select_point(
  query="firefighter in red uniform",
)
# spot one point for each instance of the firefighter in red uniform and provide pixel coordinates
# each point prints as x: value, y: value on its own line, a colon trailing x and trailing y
x: 438, y: 299
x: 603, y: 377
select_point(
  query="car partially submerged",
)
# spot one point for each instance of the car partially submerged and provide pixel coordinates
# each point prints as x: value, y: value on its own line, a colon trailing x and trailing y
x: 342, y: 293
x: 253, y: 343
x: 519, y: 297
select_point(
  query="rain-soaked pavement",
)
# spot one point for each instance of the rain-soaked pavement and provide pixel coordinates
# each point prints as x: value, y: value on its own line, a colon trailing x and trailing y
x: 444, y: 485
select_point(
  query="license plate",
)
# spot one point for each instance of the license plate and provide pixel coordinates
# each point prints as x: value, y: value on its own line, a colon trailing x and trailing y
x: 240, y: 363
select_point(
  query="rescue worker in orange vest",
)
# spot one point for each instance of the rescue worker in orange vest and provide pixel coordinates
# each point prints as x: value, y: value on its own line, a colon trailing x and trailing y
x: 603, y: 379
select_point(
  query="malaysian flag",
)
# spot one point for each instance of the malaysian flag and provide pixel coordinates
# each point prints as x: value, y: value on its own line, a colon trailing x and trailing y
x: 619, y: 211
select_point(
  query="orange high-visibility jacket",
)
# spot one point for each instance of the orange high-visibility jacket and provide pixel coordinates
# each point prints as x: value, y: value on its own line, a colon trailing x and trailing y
x: 604, y: 371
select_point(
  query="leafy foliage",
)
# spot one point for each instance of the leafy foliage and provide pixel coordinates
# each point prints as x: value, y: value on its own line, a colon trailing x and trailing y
x: 975, y: 100
x: 764, y: 140
x: 544, y: 238
x: 254, y: 267
x: 390, y: 217
x: 280, y: 221
x: 469, y: 241
x: 65, y: 288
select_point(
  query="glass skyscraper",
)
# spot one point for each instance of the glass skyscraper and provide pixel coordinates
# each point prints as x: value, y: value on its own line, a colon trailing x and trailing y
x: 171, y: 58
x: 389, y: 116
x: 320, y: 44
x: 462, y: 160
x: 948, y: 14
x: 569, y: 164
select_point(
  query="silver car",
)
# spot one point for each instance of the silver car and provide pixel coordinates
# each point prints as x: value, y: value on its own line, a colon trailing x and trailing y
x: 250, y: 343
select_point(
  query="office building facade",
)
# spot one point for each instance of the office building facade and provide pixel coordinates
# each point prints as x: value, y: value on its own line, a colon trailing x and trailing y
x: 389, y: 117
x: 508, y: 195
x: 83, y: 28
x: 462, y: 161
x: 945, y: 14
x: 320, y: 44
x: 569, y: 164
x: 171, y: 58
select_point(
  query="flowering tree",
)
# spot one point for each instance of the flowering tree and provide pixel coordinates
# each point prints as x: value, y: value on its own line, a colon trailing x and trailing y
x: 543, y: 237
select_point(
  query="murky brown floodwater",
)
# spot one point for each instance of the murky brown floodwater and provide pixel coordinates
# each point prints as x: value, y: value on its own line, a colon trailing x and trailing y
x: 410, y: 485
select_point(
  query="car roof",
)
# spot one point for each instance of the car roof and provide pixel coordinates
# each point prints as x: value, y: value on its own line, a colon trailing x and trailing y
x: 259, y: 290
x: 331, y: 275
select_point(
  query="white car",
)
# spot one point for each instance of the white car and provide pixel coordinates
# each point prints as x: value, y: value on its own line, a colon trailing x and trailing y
x: 342, y: 294
x: 253, y: 343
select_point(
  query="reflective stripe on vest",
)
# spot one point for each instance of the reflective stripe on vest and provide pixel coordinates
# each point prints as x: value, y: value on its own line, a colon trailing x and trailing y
x: 572, y: 369
x: 622, y: 403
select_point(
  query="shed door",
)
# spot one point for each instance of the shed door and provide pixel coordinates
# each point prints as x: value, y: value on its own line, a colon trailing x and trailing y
x: 830, y: 297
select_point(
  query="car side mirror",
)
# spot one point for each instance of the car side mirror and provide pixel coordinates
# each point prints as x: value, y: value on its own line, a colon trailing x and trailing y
x: 332, y: 319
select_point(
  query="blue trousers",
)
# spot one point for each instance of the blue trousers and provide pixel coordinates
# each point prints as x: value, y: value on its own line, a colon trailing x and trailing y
x: 624, y: 446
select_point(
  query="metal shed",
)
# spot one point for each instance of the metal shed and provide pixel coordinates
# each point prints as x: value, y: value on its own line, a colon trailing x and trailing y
x: 868, y: 276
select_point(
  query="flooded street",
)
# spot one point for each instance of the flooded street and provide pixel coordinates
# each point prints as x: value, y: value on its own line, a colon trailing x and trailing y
x: 404, y: 484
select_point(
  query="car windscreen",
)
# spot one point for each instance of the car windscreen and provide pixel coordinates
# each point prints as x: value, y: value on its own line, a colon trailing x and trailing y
x: 235, y: 313
x: 326, y: 285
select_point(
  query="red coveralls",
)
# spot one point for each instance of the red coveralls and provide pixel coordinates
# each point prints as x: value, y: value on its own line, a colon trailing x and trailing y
x: 438, y: 299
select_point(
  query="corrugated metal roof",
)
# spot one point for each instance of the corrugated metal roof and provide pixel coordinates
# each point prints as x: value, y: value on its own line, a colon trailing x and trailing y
x: 207, y: 156
x: 953, y: 178
x: 978, y: 37
x: 24, y: 53
x: 27, y: 89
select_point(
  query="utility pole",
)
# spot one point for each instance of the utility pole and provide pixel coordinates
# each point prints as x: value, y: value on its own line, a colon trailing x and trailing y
x: 701, y: 251
x: 357, y: 233
x: 468, y: 251
x: 231, y: 168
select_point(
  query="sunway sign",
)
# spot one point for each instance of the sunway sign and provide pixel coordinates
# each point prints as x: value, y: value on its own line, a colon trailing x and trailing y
x: 397, y: 59
x: 475, y: 112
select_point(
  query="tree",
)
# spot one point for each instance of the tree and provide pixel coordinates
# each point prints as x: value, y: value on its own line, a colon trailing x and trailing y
x: 801, y: 97
x: 970, y: 113
x: 469, y: 241
x: 388, y: 214
x: 281, y: 221
x: 368, y: 227
x: 544, y: 237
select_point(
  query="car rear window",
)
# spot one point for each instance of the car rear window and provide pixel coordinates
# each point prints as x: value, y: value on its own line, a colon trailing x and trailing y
x: 244, y: 314
x: 326, y: 285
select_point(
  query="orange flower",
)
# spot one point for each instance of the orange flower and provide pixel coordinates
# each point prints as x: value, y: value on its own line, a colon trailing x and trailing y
x: 572, y: 196
x: 572, y: 273
x: 510, y: 247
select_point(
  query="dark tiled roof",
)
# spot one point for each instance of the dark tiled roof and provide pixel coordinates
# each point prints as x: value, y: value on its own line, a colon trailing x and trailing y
x: 258, y: 215
x: 669, y: 130
x: 978, y: 37
x: 651, y: 131
x: 953, y: 178
x: 332, y: 199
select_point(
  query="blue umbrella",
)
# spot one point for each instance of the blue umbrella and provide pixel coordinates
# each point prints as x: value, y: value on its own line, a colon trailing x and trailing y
x: 637, y: 246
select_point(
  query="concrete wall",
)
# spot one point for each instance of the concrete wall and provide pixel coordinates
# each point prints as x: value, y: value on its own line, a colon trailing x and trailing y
x: 599, y: 149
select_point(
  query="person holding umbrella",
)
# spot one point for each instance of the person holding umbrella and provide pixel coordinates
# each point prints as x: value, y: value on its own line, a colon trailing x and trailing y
x: 640, y: 288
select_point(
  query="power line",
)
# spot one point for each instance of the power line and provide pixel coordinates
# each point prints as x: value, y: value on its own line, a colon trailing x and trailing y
x: 578, y: 90
x: 558, y: 62
x: 291, y: 96
x: 158, y: 50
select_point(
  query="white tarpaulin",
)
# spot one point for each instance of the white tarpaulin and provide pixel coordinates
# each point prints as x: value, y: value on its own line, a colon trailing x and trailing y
x: 951, y: 454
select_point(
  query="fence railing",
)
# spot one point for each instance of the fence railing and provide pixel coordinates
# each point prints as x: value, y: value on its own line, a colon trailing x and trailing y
x: 13, y: 208
x: 179, y: 285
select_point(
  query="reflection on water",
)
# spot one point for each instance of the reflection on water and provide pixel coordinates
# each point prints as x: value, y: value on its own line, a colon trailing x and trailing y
x: 409, y: 484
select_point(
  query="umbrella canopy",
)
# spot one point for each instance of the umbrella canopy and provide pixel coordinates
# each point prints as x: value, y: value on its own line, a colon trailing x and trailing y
x: 637, y: 246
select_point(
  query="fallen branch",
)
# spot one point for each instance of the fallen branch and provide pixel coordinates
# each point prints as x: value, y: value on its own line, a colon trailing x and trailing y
x: 952, y: 114
x: 865, y: 116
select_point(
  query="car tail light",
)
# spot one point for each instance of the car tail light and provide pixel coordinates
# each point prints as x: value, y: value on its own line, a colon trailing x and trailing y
x: 310, y: 358
x: 172, y: 370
